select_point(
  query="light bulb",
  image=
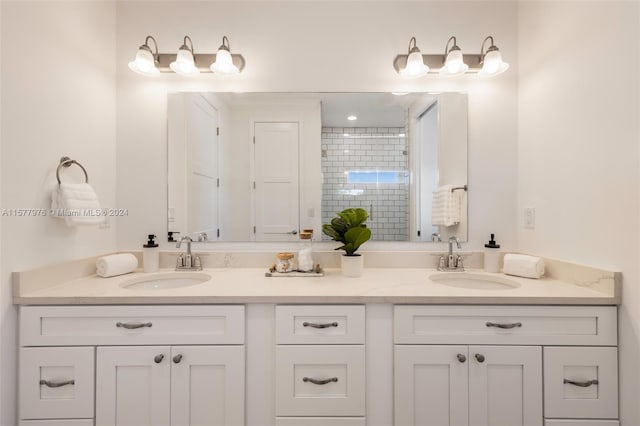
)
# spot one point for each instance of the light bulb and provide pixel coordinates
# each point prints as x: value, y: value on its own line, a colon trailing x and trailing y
x: 144, y: 63
x: 224, y: 63
x: 415, y: 66
x: 184, y: 63
x: 454, y: 64
x: 492, y: 63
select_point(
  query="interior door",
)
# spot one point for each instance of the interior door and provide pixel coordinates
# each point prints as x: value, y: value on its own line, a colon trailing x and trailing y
x: 276, y: 181
x: 201, y: 129
x: 207, y: 385
x: 132, y: 386
x: 431, y: 386
x: 505, y: 386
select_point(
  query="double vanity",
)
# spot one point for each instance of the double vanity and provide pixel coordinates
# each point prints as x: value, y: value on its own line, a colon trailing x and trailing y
x: 397, y: 346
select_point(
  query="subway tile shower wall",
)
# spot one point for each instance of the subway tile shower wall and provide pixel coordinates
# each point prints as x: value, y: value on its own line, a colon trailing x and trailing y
x: 367, y: 167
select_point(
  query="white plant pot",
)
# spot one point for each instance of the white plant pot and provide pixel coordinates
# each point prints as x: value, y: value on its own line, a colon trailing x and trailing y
x: 352, y: 266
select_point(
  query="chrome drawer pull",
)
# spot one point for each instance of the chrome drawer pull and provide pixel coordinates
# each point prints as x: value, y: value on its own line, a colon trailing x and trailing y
x: 479, y: 358
x: 580, y: 384
x: 158, y: 358
x: 319, y: 382
x: 316, y: 325
x: 177, y: 359
x: 461, y: 358
x: 498, y: 325
x: 49, y: 384
x: 133, y: 325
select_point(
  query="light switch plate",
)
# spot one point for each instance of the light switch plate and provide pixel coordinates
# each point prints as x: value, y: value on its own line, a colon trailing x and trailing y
x: 530, y: 217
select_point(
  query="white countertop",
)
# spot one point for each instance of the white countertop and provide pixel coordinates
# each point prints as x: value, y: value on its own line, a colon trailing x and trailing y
x: 377, y: 285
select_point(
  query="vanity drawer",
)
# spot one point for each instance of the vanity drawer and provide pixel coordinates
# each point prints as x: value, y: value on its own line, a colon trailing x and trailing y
x: 320, y: 421
x: 320, y: 381
x: 522, y: 325
x: 317, y: 324
x: 56, y: 383
x: 581, y: 365
x: 131, y: 325
x: 557, y: 422
x: 65, y: 422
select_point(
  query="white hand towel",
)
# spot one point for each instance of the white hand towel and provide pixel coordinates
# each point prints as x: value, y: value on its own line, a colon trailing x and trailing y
x: 522, y: 265
x: 116, y: 264
x: 77, y: 203
x: 445, y: 207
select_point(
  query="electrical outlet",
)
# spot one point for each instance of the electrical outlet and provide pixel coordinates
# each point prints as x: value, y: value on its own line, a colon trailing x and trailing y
x: 530, y: 217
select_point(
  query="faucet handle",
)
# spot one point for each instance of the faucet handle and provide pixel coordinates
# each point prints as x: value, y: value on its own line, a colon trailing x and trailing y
x: 459, y: 264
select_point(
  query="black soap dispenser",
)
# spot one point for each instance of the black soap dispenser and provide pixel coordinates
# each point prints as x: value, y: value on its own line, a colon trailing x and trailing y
x: 150, y: 255
x: 492, y: 256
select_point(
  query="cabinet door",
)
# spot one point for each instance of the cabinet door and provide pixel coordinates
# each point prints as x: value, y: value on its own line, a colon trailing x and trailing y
x: 207, y: 386
x: 505, y: 386
x: 431, y: 385
x: 132, y: 386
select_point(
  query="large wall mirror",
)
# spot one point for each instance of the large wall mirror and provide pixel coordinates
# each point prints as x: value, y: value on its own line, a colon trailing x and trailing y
x: 263, y: 166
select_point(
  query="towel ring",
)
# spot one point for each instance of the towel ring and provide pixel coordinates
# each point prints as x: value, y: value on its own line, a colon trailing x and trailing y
x: 67, y: 162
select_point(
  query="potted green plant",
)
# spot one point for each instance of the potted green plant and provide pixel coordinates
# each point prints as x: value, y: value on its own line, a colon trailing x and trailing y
x: 350, y: 229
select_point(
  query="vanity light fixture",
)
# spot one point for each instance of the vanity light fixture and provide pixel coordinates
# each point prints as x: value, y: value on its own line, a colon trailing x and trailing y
x: 491, y: 60
x: 453, y: 60
x: 224, y: 62
x: 146, y: 61
x: 415, y: 66
x: 352, y: 118
x: 185, y: 63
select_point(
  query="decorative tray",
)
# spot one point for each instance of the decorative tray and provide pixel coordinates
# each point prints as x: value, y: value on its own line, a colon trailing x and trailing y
x: 317, y: 272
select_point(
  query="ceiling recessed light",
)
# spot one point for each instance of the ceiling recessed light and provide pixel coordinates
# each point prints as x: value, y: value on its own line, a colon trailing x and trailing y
x: 352, y: 118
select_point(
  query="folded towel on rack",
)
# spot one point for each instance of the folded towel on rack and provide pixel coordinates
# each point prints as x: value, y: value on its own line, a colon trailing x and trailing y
x: 77, y: 204
x: 445, y: 207
x: 116, y: 264
x: 522, y: 265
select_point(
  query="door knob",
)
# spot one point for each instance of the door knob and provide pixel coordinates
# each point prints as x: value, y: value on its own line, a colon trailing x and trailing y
x: 177, y: 359
x: 461, y: 358
x: 480, y: 358
x: 158, y: 358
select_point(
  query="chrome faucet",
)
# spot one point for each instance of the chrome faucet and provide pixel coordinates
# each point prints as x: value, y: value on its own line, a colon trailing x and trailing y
x: 452, y: 240
x: 451, y: 263
x: 187, y: 261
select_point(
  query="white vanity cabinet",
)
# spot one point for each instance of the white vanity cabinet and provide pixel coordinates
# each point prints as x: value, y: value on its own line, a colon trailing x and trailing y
x: 320, y: 365
x: 483, y: 365
x: 462, y: 385
x: 159, y: 365
x: 190, y: 385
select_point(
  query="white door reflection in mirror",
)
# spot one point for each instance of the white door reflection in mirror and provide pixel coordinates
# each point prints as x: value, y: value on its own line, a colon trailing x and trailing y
x: 193, y: 188
x: 276, y: 189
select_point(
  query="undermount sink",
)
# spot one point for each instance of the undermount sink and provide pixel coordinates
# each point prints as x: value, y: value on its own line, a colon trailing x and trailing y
x: 164, y: 281
x: 474, y: 281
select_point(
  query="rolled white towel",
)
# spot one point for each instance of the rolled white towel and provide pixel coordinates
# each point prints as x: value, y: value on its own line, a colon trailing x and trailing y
x: 522, y: 265
x: 116, y: 264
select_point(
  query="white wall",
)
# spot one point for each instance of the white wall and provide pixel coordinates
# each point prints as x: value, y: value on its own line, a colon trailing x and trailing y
x: 290, y: 46
x: 58, y: 100
x: 579, y: 149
